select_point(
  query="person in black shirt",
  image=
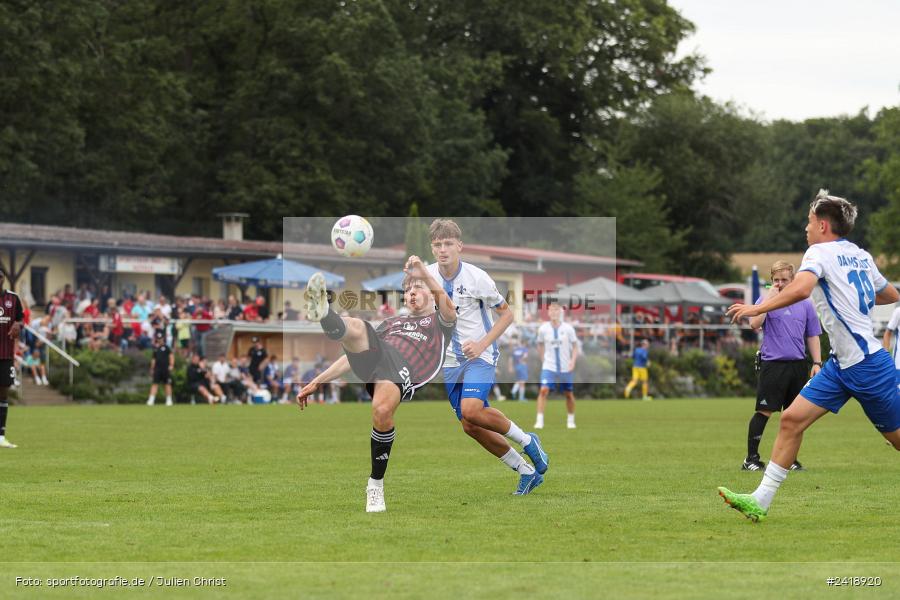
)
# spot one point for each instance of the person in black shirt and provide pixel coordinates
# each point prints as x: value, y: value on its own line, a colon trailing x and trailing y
x: 262, y: 308
x: 161, y: 366
x: 235, y: 311
x: 198, y: 381
x: 257, y: 356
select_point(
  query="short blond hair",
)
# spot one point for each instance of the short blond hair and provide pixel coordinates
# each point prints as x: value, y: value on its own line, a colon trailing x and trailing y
x: 444, y: 229
x: 782, y: 265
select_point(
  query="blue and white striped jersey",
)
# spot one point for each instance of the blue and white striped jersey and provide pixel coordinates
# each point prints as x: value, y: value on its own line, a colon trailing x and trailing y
x: 475, y: 295
x: 845, y: 296
x: 558, y: 343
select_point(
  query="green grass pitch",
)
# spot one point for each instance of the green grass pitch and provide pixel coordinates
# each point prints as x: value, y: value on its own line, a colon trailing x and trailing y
x: 272, y: 500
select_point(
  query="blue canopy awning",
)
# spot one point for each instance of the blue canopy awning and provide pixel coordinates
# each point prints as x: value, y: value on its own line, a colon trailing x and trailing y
x: 389, y: 282
x: 274, y: 273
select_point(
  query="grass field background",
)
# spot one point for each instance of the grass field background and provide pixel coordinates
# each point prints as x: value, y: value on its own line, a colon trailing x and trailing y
x: 272, y: 499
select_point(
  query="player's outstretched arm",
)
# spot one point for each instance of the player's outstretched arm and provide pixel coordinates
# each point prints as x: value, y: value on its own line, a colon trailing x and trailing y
x: 799, y: 289
x: 886, y: 341
x: 337, y: 368
x: 888, y: 295
x: 756, y: 322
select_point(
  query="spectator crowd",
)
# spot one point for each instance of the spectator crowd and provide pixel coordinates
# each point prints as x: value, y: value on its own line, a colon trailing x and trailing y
x: 93, y: 318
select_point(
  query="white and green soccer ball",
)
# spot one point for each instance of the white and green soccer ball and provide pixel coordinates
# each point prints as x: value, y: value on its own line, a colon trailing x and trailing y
x: 352, y: 236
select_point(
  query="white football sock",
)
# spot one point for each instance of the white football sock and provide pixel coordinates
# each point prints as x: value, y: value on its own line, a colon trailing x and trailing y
x: 376, y: 483
x: 570, y: 418
x: 772, y: 479
x: 517, y: 462
x: 516, y: 434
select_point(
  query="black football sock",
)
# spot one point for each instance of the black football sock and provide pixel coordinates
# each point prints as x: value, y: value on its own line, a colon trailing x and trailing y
x: 333, y: 325
x: 754, y: 433
x: 4, y: 410
x: 381, y: 451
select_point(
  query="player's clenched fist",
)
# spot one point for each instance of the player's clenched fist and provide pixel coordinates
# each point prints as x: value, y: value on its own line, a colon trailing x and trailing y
x: 415, y: 268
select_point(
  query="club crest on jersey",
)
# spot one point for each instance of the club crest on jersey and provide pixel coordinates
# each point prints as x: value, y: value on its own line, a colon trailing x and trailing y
x: 8, y: 304
x: 425, y: 322
x: 462, y: 289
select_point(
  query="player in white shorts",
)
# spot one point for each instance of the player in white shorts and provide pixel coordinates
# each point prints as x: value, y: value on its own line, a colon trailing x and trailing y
x: 558, y: 345
x: 470, y: 366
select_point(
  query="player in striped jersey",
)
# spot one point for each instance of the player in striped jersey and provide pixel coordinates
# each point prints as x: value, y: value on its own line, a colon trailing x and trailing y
x: 558, y: 345
x: 893, y: 331
x: 845, y: 285
x: 472, y: 357
x: 11, y: 317
x: 402, y: 355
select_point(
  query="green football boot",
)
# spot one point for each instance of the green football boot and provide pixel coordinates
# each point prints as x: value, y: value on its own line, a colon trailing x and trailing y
x: 744, y: 504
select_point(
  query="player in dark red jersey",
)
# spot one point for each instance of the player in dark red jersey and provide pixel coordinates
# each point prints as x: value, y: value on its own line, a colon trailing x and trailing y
x: 402, y: 355
x: 11, y: 317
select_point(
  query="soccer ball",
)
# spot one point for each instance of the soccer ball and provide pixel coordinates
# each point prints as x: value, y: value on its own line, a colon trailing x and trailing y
x: 351, y: 236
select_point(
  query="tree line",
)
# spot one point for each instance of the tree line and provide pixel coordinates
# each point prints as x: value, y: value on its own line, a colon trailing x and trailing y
x: 155, y: 115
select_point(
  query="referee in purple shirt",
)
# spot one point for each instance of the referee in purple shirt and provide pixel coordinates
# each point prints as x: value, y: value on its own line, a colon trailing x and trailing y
x: 783, y: 367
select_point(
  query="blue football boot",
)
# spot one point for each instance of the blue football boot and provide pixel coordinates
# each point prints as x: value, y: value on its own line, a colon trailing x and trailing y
x: 536, y: 453
x: 527, y: 483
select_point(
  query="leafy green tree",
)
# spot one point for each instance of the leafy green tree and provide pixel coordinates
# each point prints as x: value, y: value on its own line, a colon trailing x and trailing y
x: 552, y: 74
x: 883, y: 178
x: 630, y: 194
x: 709, y: 159
x: 819, y: 153
x: 417, y: 239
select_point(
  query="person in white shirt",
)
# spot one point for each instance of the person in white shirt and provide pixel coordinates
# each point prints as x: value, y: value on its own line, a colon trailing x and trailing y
x: 472, y: 355
x: 845, y: 285
x: 220, y: 370
x: 558, y: 345
x: 893, y: 331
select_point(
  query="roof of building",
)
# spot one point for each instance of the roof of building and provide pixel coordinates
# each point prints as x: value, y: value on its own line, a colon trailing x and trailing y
x: 49, y: 237
x: 549, y: 256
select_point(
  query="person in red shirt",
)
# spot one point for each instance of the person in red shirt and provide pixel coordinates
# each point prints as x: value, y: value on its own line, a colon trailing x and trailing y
x: 116, y: 326
x: 92, y: 310
x: 251, y: 312
x: 203, y: 314
x: 68, y: 298
x: 127, y: 305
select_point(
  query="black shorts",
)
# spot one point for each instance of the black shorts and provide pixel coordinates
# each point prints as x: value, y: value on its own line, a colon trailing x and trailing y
x: 7, y: 372
x: 162, y: 377
x: 779, y: 383
x: 194, y: 388
x: 381, y: 362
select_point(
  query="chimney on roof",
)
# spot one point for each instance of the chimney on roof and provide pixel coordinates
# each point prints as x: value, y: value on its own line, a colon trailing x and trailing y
x: 233, y: 226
